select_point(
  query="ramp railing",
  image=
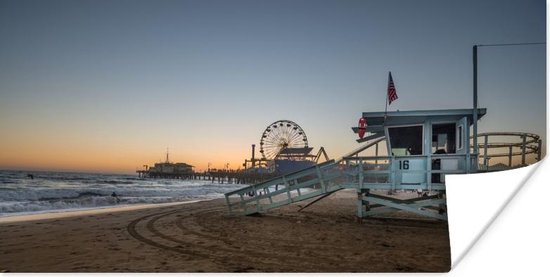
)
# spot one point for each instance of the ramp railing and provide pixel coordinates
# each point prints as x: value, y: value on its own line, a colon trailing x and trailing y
x: 297, y: 186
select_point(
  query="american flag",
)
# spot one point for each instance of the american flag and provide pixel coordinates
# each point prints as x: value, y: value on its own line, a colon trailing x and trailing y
x: 392, y: 93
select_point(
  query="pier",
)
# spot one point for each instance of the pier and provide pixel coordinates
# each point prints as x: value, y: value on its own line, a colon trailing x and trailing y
x: 283, y: 148
x: 220, y: 176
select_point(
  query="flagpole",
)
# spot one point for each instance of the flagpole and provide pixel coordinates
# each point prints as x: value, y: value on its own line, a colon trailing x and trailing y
x: 475, y: 115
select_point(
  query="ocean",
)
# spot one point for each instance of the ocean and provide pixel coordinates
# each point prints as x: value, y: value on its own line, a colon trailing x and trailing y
x: 64, y: 191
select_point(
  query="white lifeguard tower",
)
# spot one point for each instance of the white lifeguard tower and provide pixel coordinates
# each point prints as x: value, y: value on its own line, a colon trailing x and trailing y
x: 421, y: 148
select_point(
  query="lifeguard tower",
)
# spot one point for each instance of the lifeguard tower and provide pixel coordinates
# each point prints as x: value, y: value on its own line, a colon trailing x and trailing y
x: 421, y: 148
x: 404, y: 151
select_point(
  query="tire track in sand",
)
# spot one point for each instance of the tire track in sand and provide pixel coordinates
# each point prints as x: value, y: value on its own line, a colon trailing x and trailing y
x: 216, y: 253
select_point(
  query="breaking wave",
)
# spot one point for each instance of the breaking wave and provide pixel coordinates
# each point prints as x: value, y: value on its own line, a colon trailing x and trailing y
x: 53, y: 191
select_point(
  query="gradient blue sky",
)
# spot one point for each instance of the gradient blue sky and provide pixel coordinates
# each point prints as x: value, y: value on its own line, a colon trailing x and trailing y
x: 108, y: 85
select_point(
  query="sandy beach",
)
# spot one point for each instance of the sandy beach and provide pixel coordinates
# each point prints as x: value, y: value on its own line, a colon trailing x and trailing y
x: 202, y: 237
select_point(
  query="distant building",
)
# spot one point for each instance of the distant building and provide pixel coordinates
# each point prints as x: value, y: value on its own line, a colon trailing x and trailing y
x: 293, y: 159
x: 167, y: 169
x: 171, y: 168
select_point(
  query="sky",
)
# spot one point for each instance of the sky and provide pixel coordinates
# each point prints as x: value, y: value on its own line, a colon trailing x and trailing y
x: 108, y: 86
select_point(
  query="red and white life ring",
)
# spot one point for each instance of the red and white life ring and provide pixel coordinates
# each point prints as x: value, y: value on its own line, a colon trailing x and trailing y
x: 362, y: 127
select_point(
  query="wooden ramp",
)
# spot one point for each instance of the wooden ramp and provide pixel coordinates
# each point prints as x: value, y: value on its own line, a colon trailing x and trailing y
x: 301, y: 185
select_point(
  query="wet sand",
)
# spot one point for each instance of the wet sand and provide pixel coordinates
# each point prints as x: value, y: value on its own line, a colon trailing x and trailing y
x: 202, y: 237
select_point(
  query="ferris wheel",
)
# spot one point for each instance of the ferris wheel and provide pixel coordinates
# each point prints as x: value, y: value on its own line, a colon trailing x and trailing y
x: 279, y: 135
